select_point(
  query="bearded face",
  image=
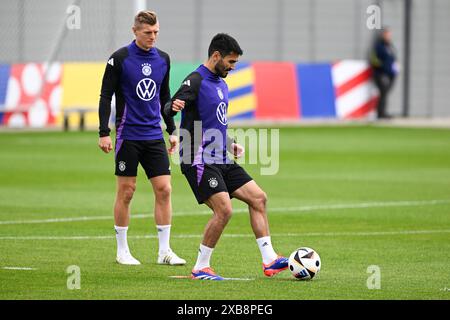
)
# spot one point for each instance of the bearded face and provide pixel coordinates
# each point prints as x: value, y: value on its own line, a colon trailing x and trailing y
x: 221, y: 69
x: 226, y: 64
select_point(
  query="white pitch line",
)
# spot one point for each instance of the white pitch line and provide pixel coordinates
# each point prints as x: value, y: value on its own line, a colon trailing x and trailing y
x: 235, y: 279
x: 244, y: 210
x: 18, y: 268
x: 247, y: 235
x: 52, y: 220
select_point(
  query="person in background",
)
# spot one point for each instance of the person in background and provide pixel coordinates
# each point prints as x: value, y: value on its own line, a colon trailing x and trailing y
x: 385, y: 69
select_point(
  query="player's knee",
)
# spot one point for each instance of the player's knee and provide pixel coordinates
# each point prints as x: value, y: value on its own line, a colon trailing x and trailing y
x: 224, y: 213
x: 163, y: 191
x: 260, y: 201
x: 126, y: 192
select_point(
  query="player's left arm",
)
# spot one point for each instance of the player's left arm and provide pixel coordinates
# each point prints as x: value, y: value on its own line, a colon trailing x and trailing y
x: 164, y: 97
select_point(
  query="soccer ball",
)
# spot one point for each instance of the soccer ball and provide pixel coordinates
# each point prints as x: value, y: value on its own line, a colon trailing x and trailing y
x: 304, y: 263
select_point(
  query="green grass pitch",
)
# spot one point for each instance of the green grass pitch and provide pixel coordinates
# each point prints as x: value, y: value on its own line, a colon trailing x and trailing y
x: 360, y: 195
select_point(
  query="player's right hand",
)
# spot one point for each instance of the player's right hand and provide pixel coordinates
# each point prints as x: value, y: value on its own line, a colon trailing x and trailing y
x: 178, y: 105
x: 105, y: 144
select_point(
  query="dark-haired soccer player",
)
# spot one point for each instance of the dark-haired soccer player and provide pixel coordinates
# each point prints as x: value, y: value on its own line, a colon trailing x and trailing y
x: 213, y: 177
x: 138, y: 75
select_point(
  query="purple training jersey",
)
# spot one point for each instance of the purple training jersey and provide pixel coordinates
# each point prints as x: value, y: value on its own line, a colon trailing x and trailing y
x: 203, y: 129
x: 140, y: 81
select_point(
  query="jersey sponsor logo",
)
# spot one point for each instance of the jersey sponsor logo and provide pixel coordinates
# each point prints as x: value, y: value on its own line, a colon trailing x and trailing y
x: 146, y: 69
x: 220, y: 93
x: 221, y: 113
x: 122, y: 166
x: 146, y: 89
x: 213, y: 182
x: 111, y: 61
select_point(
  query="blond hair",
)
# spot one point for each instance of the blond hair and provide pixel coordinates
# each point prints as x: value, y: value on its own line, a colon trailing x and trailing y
x: 147, y: 17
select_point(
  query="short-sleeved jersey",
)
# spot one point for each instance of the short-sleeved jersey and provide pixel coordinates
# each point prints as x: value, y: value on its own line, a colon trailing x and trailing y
x: 140, y: 81
x: 204, y: 117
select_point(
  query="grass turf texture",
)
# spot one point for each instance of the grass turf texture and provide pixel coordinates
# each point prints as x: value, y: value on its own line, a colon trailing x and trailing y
x: 65, y: 175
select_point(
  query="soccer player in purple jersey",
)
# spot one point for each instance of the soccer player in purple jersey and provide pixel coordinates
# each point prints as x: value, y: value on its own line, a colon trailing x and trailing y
x: 212, y: 176
x: 138, y: 75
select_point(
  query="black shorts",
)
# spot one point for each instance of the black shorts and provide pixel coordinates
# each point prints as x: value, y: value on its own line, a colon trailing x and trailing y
x: 208, y: 179
x: 151, y: 154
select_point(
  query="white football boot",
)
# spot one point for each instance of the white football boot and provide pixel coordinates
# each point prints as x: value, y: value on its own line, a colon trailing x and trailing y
x: 170, y: 258
x: 126, y: 258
